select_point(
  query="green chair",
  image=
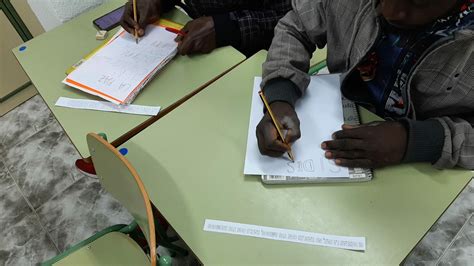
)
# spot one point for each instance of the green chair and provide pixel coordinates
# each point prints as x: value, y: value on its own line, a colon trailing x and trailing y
x: 314, y: 69
x: 113, y: 246
x: 318, y: 61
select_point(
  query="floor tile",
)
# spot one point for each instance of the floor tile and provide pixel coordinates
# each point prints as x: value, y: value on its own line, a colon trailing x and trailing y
x: 25, y: 243
x: 13, y: 207
x: 461, y: 250
x: 23, y: 121
x: 442, y: 233
x: 42, y: 165
x: 80, y: 211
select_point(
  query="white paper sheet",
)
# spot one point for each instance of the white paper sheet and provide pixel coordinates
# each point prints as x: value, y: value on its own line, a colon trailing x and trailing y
x: 296, y: 236
x: 320, y: 113
x: 107, y: 106
x: 119, y: 70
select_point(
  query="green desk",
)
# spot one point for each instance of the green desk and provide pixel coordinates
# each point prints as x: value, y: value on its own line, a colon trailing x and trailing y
x: 49, y: 55
x: 192, y: 165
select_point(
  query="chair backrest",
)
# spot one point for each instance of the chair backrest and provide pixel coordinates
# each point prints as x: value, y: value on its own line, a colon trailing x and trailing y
x: 121, y: 180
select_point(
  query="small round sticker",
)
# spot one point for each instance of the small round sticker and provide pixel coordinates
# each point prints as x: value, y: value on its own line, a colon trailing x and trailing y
x: 23, y: 48
x: 123, y: 151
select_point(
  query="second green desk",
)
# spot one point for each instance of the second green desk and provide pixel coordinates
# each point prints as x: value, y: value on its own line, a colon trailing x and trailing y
x: 47, y: 57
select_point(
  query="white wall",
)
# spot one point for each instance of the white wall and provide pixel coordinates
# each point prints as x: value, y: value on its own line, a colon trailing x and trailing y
x: 52, y: 13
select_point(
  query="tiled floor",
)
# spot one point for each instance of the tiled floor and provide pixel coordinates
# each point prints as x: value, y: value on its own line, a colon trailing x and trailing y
x: 436, y: 246
x: 461, y: 249
x: 46, y: 205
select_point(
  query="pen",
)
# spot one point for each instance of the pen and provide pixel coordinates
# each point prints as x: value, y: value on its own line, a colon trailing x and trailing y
x: 135, y: 18
x: 276, y: 124
x: 173, y: 30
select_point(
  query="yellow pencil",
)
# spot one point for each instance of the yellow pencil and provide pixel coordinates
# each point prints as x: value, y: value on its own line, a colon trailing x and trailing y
x: 276, y: 124
x: 135, y: 18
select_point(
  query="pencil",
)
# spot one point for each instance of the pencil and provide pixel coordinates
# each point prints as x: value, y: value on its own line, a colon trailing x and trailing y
x: 276, y: 124
x: 135, y: 18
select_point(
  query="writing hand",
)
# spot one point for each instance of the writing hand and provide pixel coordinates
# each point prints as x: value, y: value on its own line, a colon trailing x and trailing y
x: 148, y: 11
x: 200, y: 37
x: 269, y: 142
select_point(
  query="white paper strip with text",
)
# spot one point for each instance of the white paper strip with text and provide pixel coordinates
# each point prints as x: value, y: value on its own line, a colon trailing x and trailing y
x: 107, y: 106
x: 296, y: 236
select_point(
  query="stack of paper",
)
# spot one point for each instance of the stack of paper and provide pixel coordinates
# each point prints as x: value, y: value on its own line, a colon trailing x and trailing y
x: 119, y: 70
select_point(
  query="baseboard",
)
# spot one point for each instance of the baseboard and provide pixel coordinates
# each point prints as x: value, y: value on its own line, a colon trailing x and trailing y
x: 17, y: 99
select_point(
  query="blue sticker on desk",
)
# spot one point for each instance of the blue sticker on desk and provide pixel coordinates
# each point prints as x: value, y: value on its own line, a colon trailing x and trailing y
x: 123, y: 151
x: 21, y: 49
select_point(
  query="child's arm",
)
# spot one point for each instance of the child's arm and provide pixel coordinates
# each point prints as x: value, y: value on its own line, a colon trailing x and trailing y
x: 246, y: 25
x: 458, y: 148
x: 285, y: 72
x: 249, y: 29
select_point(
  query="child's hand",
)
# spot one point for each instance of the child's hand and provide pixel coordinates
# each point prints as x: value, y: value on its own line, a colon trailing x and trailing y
x: 371, y: 145
x: 269, y: 141
x: 148, y: 11
x: 200, y: 37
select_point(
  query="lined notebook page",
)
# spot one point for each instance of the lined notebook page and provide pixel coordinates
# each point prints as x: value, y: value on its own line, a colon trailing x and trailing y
x: 320, y: 114
x: 119, y: 70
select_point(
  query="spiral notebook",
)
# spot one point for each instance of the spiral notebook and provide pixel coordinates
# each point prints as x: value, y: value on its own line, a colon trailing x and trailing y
x: 322, y: 111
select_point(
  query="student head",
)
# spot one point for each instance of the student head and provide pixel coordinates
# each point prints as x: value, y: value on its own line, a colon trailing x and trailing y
x: 412, y: 14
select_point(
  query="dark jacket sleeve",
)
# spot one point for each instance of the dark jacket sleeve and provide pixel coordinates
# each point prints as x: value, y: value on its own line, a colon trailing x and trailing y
x: 255, y: 27
x: 167, y: 5
x: 425, y: 140
x: 246, y: 25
